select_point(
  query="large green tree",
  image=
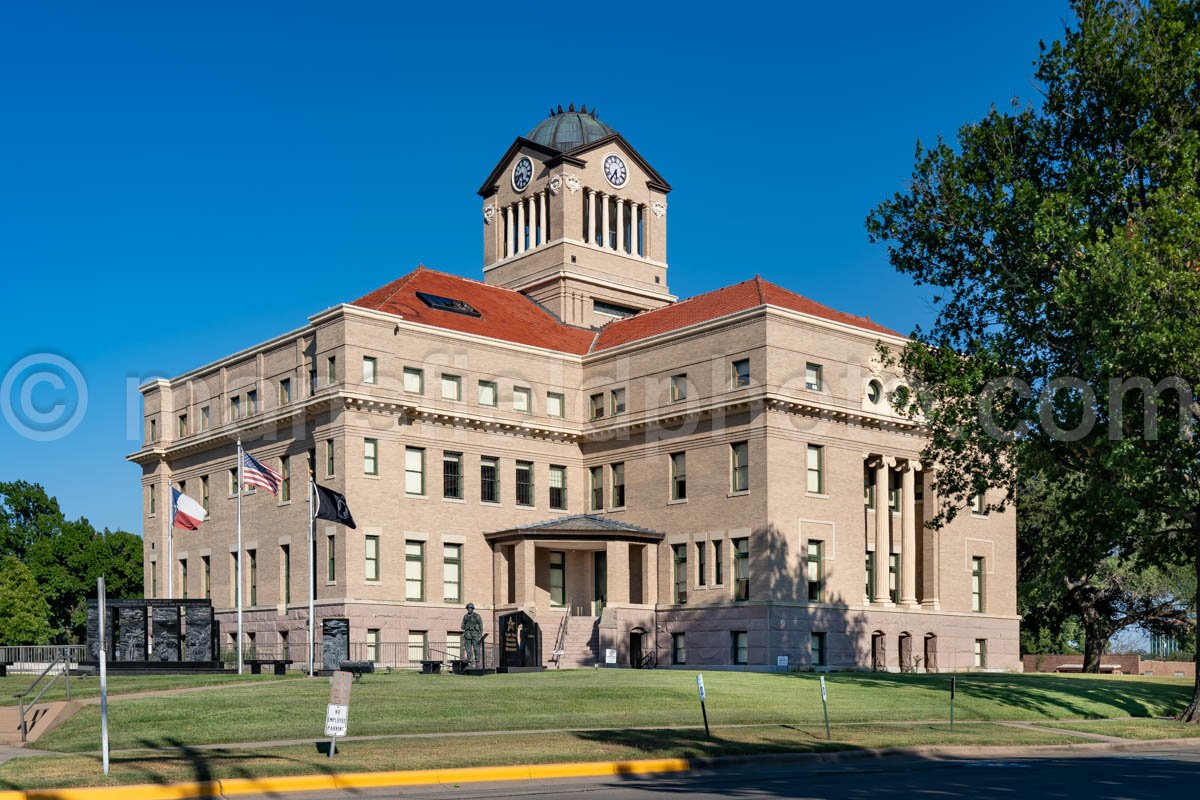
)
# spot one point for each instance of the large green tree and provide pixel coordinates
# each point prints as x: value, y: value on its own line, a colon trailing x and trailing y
x: 1062, y: 240
x: 24, y: 613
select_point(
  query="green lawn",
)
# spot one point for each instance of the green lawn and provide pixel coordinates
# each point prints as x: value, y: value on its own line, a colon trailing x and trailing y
x: 410, y: 703
x: 1135, y: 728
x: 11, y: 684
x: 464, y: 751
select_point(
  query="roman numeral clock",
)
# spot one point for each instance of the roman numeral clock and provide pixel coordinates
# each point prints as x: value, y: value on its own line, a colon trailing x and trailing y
x: 615, y: 170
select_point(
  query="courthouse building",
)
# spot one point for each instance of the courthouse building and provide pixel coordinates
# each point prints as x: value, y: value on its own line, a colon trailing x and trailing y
x: 719, y: 480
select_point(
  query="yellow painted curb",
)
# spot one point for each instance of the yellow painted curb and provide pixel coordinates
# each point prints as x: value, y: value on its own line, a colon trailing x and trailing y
x: 354, y: 780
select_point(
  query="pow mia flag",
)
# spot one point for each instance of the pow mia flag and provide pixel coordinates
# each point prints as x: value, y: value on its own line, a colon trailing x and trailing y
x: 332, y: 506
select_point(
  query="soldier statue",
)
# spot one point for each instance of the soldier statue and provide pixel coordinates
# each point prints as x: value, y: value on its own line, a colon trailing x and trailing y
x: 472, y: 634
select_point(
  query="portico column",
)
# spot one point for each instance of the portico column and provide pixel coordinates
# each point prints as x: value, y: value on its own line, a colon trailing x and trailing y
x: 591, y: 222
x: 908, y: 524
x: 882, y: 543
x: 511, y: 245
x: 542, y: 226
x: 604, y: 220
x: 635, y: 236
x: 620, y: 225
x: 520, y: 226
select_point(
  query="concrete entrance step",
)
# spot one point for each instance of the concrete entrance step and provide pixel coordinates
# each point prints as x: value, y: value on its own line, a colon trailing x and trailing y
x: 41, y: 719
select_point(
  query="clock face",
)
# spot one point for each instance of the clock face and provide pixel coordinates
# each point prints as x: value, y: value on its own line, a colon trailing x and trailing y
x: 615, y: 170
x: 522, y: 173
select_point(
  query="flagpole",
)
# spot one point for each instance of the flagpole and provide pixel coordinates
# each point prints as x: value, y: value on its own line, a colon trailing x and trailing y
x: 171, y: 544
x: 312, y: 488
x: 238, y: 590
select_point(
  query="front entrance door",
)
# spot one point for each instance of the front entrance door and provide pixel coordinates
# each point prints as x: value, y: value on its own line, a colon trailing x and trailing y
x: 599, y: 581
x: 635, y: 649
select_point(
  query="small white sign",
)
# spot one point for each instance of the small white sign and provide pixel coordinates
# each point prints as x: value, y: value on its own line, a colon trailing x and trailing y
x: 823, y: 697
x: 781, y: 661
x: 336, y: 717
x: 610, y: 655
x: 700, y: 686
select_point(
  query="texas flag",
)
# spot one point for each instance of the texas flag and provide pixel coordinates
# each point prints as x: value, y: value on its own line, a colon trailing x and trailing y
x: 188, y: 513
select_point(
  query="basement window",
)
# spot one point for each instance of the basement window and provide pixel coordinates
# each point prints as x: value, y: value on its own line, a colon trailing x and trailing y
x: 450, y: 304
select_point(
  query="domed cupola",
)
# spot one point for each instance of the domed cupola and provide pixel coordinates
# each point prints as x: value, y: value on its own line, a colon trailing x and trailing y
x: 566, y: 130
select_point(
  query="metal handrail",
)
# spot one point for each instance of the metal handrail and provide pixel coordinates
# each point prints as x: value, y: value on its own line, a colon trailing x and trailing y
x: 560, y: 641
x: 65, y: 674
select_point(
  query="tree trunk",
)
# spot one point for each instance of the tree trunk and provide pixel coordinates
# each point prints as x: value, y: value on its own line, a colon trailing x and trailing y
x: 1192, y: 712
x: 1095, y: 637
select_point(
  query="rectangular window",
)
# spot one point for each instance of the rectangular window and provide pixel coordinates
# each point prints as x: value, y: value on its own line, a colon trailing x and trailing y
x: 452, y: 573
x: 371, y: 557
x: 153, y: 437
x: 718, y: 563
x: 414, y: 380
x: 183, y: 426
x: 617, y: 472
x: 558, y: 578
x: 554, y: 404
x: 679, y: 387
x: 816, y: 469
x: 183, y: 577
x: 285, y: 485
x: 979, y: 504
x: 869, y: 487
x: 679, y: 476
x: 701, y: 563
x: 741, y: 569
x: 815, y: 569
x: 981, y: 653
x: 233, y: 484
x: 414, y: 571
x: 680, y: 573
x: 522, y: 400
x: 204, y: 493
x: 740, y: 650
x: 154, y: 579
x: 452, y: 482
x: 285, y: 568
x: 869, y: 583
x: 312, y: 381
x: 370, y: 457
x: 558, y: 487
x: 451, y: 387
x: 235, y: 410
x: 330, y: 558
x: 206, y: 574
x: 152, y: 499
x: 329, y: 459
x: 818, y: 650
x: 488, y: 394
x: 617, y: 401
x: 596, y: 406
x: 893, y: 577
x: 331, y: 369
x: 285, y: 391
x: 373, y: 645
x: 739, y: 373
x: 977, y: 584
x: 919, y: 487
x: 739, y: 467
x: 489, y: 479
x: 252, y: 401
x: 205, y: 418
x: 414, y: 470
x: 253, y: 556
x: 894, y: 491
x: 369, y: 369
x: 418, y: 646
x: 524, y: 477
x: 812, y: 377
x: 596, y: 476
x: 678, y: 648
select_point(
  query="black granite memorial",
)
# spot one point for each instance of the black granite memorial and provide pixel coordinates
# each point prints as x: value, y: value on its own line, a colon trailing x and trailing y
x: 335, y: 642
x: 520, y: 643
x: 150, y: 636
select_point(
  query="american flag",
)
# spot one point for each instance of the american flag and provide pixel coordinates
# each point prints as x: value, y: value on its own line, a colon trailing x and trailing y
x: 255, y: 473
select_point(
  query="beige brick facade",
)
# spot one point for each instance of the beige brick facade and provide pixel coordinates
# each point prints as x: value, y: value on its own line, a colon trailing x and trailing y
x: 954, y: 603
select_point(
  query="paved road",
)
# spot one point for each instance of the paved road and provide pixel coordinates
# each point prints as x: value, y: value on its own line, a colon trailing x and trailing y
x: 1165, y: 773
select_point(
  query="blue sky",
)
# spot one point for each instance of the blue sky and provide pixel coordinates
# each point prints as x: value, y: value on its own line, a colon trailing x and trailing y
x: 259, y: 162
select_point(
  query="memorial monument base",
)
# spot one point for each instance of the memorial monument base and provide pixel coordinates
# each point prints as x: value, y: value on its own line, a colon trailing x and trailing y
x: 503, y: 670
x: 154, y: 667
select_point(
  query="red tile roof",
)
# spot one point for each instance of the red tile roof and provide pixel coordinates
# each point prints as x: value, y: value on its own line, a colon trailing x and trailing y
x: 720, y: 303
x: 512, y: 317
x: 506, y: 315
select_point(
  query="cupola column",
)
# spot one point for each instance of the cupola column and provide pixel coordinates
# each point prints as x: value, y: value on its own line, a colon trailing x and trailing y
x: 620, y: 225
x: 533, y: 221
x: 604, y: 220
x: 635, y: 236
x: 511, y: 244
x: 543, y: 225
x: 520, y: 226
x: 591, y: 218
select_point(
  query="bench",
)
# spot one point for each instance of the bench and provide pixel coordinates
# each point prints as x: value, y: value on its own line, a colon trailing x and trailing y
x: 358, y: 668
x: 279, y: 665
x: 431, y: 667
x: 4, y: 665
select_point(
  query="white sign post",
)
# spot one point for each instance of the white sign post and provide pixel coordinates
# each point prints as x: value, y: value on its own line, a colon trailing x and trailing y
x: 825, y: 706
x: 782, y: 662
x: 102, y: 609
x: 610, y: 655
x: 703, y: 710
x: 337, y: 713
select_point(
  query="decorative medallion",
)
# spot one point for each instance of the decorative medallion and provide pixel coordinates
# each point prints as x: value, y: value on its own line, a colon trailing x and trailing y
x: 573, y: 184
x: 489, y: 212
x: 660, y: 208
x: 555, y: 184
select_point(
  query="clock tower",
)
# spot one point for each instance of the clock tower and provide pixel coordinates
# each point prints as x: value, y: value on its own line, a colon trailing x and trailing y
x: 576, y: 219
